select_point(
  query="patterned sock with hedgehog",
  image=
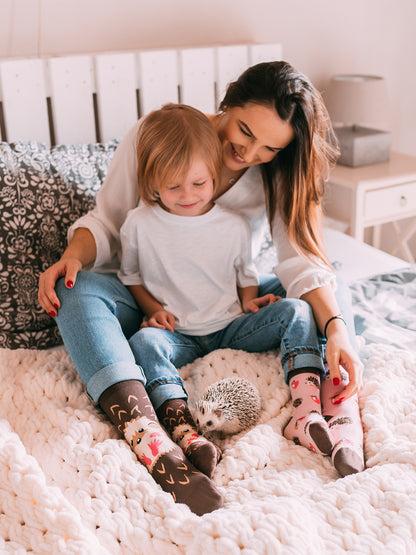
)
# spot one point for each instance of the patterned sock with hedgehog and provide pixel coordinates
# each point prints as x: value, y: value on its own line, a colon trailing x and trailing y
x: 307, y: 426
x: 130, y: 410
x: 177, y: 419
x: 345, y: 425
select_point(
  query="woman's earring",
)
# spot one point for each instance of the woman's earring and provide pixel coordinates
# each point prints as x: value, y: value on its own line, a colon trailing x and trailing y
x: 156, y: 195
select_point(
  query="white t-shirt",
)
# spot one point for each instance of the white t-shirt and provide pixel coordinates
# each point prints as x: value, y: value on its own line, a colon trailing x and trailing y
x: 191, y: 265
x: 119, y: 194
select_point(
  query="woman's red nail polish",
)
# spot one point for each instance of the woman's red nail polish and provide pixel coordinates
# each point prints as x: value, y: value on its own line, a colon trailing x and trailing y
x: 52, y: 314
x: 335, y: 381
x: 56, y: 306
x: 339, y: 401
x: 70, y: 284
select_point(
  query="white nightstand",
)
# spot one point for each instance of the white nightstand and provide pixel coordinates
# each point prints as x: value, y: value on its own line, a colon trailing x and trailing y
x: 374, y: 195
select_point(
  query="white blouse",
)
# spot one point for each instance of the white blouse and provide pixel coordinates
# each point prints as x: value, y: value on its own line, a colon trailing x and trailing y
x: 119, y: 194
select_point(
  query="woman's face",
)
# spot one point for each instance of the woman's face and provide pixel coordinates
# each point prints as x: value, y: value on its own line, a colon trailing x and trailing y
x: 252, y: 134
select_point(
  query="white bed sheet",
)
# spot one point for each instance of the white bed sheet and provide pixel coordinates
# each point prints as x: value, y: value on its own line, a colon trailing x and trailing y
x: 354, y: 260
x: 351, y: 259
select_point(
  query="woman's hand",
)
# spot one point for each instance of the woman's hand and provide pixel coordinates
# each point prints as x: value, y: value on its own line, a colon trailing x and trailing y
x: 254, y: 305
x: 161, y: 319
x: 339, y: 352
x: 79, y: 253
x: 65, y: 267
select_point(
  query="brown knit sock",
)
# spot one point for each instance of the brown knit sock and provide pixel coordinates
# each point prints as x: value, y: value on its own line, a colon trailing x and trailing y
x: 177, y: 419
x: 130, y: 410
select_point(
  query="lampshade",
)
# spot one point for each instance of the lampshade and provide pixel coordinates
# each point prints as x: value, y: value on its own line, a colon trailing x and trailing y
x: 358, y: 100
x: 358, y: 106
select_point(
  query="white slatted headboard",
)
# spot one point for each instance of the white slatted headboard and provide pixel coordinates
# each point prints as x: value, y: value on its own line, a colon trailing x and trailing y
x: 89, y: 98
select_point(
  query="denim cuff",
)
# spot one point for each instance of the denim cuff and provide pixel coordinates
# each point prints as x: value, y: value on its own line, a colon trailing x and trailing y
x: 302, y: 359
x: 164, y: 390
x: 109, y: 375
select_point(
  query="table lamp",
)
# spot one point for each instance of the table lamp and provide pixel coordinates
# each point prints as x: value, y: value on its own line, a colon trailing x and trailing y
x: 355, y: 102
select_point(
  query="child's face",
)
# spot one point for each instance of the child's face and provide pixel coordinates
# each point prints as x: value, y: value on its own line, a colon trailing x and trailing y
x: 190, y: 195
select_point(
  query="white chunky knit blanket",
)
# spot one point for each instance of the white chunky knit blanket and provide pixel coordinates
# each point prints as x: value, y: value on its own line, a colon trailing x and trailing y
x: 69, y: 484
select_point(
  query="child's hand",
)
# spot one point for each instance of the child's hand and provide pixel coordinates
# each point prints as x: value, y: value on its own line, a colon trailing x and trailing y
x: 254, y: 305
x: 161, y: 319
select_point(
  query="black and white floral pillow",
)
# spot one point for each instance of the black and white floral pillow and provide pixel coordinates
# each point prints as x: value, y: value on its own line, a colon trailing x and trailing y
x: 42, y: 192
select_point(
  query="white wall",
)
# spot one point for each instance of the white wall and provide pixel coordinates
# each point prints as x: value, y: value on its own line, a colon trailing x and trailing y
x: 319, y: 37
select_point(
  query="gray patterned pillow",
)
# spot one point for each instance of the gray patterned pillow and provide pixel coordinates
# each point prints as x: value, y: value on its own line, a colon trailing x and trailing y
x: 42, y: 192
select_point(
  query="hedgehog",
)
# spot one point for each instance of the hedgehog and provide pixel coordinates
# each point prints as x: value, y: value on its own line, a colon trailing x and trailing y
x: 228, y: 407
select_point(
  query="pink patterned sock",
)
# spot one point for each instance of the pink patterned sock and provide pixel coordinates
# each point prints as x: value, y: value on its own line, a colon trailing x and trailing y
x: 307, y: 426
x: 345, y: 425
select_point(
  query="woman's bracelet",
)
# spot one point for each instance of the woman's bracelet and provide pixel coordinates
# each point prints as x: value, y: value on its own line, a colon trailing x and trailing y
x: 337, y: 317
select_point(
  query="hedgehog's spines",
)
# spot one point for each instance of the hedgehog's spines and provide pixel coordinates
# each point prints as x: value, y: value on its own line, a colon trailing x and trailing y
x: 236, y: 397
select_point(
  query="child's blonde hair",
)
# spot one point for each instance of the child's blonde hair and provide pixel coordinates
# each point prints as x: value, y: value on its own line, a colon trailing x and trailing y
x: 169, y: 141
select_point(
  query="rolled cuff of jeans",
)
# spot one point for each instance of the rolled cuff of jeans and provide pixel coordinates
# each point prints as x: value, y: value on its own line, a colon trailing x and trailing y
x: 166, y: 390
x: 302, y: 359
x: 110, y: 375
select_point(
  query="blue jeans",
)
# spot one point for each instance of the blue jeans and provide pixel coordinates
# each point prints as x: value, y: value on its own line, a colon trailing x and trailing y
x: 287, y: 324
x: 98, y: 321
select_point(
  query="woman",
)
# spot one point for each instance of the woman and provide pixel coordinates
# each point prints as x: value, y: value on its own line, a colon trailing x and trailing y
x: 277, y: 147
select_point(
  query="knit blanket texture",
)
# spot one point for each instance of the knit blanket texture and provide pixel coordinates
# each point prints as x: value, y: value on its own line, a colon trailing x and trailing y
x: 70, y: 484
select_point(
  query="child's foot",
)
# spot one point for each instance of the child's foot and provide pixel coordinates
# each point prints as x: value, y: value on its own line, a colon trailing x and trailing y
x: 176, y: 418
x: 202, y: 453
x: 307, y: 426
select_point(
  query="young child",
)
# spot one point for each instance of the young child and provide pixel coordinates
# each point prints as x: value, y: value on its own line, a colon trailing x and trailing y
x: 187, y: 262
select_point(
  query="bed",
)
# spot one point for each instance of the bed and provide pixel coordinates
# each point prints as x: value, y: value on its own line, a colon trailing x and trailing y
x: 68, y: 482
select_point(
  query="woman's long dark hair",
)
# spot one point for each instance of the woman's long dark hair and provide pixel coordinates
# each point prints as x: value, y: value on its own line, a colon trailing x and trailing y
x: 294, y: 179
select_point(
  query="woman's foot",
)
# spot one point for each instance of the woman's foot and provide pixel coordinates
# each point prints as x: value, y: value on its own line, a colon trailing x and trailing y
x: 344, y: 422
x: 169, y: 466
x: 129, y: 408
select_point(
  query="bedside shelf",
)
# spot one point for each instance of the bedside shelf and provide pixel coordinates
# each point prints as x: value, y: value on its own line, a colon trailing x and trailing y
x: 370, y: 196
